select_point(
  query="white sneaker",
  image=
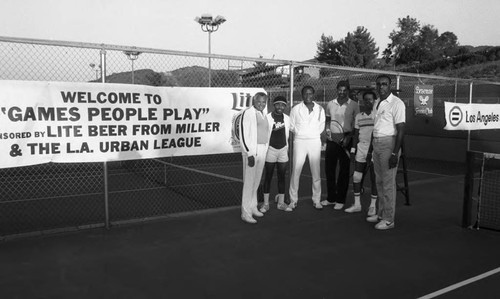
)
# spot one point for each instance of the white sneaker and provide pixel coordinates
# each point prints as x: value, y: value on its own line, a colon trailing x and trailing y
x: 257, y: 213
x: 248, y: 219
x: 353, y: 209
x: 373, y: 219
x: 338, y: 206
x: 264, y: 208
x: 317, y: 205
x: 384, y: 224
x: 284, y: 207
x: 372, y: 211
x: 326, y: 203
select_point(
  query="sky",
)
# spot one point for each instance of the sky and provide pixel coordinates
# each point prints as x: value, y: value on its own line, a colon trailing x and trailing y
x: 281, y: 29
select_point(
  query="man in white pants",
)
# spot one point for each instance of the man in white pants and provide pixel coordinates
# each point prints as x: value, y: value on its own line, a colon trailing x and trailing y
x: 254, y: 139
x: 307, y: 122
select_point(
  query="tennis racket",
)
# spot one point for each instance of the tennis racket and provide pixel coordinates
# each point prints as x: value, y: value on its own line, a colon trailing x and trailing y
x: 337, y: 135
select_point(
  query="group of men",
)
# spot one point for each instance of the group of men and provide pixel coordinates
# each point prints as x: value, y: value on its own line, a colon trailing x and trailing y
x: 371, y: 130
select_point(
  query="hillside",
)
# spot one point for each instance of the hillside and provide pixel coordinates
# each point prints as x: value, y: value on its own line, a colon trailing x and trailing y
x: 193, y: 76
x: 489, y: 71
x: 481, y: 62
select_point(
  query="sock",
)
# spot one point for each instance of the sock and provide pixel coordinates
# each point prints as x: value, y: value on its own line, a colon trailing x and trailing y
x: 266, y: 198
x: 357, y: 199
x: 281, y: 198
x: 374, y: 200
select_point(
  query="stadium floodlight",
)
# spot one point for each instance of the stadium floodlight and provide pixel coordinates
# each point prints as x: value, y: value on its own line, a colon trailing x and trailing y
x: 205, y: 19
x: 219, y: 20
x: 209, y: 24
x: 132, y: 55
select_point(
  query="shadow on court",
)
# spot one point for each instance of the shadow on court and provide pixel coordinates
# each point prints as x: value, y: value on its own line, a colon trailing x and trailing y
x: 302, y: 254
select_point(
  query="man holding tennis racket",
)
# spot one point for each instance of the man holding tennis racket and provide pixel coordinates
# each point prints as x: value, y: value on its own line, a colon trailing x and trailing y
x: 340, y: 114
x: 388, y: 132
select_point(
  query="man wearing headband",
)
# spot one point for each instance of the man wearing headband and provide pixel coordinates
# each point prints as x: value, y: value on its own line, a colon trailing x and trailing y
x: 277, y: 154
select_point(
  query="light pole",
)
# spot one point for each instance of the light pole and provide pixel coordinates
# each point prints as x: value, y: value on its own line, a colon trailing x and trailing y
x: 209, y: 24
x: 132, y: 55
x: 92, y: 65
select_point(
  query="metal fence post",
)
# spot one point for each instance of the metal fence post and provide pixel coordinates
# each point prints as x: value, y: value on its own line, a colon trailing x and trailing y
x: 470, y: 102
x: 456, y: 89
x: 103, y: 65
x: 105, y: 164
x: 106, y: 195
x: 291, y: 84
x: 290, y: 145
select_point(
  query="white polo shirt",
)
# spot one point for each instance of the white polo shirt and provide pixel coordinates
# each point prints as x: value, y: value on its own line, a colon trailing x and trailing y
x: 343, y: 114
x: 390, y: 112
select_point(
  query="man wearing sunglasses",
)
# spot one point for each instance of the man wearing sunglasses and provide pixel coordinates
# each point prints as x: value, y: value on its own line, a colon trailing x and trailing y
x: 388, y: 132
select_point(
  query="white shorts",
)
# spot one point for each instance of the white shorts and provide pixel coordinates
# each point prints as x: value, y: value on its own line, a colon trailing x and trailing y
x: 362, y: 152
x: 277, y: 155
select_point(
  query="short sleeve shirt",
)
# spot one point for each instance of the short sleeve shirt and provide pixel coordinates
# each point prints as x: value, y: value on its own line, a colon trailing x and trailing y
x: 278, y: 134
x: 364, y: 123
x: 390, y: 112
x: 343, y: 114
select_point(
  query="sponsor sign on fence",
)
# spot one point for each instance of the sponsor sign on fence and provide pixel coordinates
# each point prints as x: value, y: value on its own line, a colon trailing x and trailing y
x: 471, y: 116
x: 423, y: 100
x: 43, y: 122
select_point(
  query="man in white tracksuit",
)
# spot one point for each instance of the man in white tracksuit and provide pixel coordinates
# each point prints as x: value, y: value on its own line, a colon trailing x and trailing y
x: 307, y: 122
x: 254, y: 140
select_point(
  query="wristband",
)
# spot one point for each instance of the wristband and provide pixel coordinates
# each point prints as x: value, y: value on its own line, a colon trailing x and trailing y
x: 393, y: 154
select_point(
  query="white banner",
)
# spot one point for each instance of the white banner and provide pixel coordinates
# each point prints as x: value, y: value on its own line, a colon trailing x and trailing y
x: 44, y: 122
x: 471, y: 116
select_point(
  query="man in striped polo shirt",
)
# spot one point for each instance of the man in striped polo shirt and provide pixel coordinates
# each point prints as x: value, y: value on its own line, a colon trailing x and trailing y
x: 363, y: 128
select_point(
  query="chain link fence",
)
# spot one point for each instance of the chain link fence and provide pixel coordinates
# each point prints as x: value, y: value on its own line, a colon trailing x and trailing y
x: 53, y: 197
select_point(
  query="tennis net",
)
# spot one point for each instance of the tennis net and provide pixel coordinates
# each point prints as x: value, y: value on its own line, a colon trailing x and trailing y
x: 155, y: 187
x: 482, y: 191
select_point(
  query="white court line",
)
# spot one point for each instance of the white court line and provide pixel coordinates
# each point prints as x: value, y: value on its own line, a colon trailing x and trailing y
x: 200, y: 171
x: 460, y: 284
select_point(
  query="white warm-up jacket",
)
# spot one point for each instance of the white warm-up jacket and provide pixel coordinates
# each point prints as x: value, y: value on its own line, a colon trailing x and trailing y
x: 248, y: 131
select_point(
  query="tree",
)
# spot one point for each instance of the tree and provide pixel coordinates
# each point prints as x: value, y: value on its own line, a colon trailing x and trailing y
x: 358, y: 48
x: 415, y: 44
x: 448, y: 44
x: 427, y: 41
x: 260, y: 64
x: 402, y: 39
x: 425, y: 47
x: 328, y: 50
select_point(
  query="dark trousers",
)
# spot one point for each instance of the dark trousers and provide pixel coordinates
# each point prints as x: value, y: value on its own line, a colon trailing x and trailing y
x: 336, y: 187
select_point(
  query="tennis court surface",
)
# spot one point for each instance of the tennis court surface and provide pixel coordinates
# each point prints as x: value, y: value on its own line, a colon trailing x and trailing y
x: 302, y: 254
